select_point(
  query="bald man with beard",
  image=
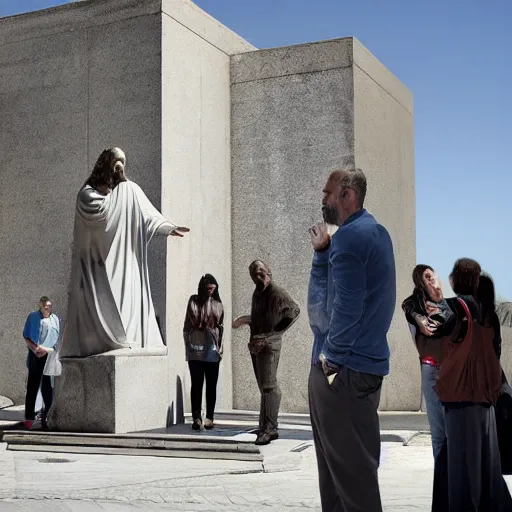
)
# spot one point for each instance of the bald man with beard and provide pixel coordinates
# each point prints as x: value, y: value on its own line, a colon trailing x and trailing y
x: 352, y: 298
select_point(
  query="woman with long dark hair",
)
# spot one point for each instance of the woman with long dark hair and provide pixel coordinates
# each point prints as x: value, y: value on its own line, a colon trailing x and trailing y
x: 468, y: 474
x: 202, y: 332
x: 427, y: 313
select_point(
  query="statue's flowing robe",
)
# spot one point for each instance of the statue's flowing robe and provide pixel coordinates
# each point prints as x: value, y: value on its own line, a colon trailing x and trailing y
x: 110, y: 305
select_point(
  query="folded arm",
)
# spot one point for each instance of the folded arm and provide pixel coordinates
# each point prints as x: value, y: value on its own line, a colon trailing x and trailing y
x: 408, y: 309
x: 289, y: 312
x: 417, y: 319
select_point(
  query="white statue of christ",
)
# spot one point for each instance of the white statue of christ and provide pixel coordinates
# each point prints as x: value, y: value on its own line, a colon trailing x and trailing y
x: 110, y: 305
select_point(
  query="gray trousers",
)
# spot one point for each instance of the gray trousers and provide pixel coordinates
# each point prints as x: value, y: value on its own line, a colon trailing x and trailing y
x: 347, y: 439
x: 265, y: 369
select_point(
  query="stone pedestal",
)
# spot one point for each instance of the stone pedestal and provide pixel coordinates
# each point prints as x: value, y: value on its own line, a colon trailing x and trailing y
x: 117, y: 392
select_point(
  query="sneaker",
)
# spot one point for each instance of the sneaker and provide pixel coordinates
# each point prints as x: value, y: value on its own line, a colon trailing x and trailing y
x: 208, y: 424
x: 197, y: 424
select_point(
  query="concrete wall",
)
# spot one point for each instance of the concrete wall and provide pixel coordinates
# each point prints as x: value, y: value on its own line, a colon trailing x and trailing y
x: 506, y: 350
x: 175, y: 89
x: 292, y: 115
x: 297, y: 114
x: 75, y: 80
x: 150, y: 77
x: 384, y: 148
x: 196, y: 170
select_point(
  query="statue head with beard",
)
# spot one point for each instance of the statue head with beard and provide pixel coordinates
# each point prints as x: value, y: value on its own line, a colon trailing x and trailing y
x: 108, y: 171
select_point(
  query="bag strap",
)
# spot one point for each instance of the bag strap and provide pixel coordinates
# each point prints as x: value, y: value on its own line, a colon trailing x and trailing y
x: 468, y: 314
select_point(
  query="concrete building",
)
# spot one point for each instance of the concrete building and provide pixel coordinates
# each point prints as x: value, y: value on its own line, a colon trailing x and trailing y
x: 234, y: 142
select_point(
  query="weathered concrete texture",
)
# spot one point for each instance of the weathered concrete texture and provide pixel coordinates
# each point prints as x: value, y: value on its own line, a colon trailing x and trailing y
x: 297, y: 114
x: 196, y: 186
x: 64, y: 97
x: 506, y: 351
x: 38, y: 482
x: 92, y: 74
x: 112, y: 394
x: 384, y: 148
x: 5, y: 402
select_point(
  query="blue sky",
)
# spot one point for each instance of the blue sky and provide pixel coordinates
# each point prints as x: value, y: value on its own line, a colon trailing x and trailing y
x: 455, y: 57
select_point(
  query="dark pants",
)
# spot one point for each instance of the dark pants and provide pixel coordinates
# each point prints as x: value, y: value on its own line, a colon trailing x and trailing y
x: 265, y: 366
x: 347, y: 439
x: 36, y: 379
x: 199, y: 371
x: 467, y: 475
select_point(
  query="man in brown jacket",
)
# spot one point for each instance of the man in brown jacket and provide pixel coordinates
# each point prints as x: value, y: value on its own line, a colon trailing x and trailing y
x: 273, y: 311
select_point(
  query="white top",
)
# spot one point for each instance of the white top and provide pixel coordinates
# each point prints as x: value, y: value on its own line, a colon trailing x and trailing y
x: 49, y: 331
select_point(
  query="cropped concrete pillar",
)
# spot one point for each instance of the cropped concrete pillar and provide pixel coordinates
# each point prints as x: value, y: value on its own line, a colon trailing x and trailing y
x: 151, y: 77
x: 297, y: 114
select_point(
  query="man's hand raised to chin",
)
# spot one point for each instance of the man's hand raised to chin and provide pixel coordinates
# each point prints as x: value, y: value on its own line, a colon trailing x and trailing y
x: 320, y: 238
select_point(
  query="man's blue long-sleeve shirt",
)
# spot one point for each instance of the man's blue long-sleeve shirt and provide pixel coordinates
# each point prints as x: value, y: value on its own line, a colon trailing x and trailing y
x: 352, y: 296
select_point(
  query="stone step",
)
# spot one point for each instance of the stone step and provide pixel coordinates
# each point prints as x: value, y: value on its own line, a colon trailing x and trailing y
x: 159, y: 445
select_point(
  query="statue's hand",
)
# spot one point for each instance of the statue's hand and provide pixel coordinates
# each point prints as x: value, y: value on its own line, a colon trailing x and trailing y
x: 179, y: 230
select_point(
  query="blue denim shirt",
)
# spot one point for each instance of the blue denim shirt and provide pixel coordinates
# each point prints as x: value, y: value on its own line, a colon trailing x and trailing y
x: 352, y: 296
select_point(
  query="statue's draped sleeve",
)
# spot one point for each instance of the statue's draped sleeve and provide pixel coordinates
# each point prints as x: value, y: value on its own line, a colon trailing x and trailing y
x: 156, y: 223
x: 110, y: 304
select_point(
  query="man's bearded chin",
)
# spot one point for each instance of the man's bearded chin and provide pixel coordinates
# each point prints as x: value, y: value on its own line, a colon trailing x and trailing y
x: 330, y: 215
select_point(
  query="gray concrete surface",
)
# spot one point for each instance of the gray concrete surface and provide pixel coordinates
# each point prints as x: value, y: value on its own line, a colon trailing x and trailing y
x: 384, y: 148
x: 50, y: 482
x: 232, y: 142
x: 74, y: 81
x: 153, y: 78
x: 196, y: 170
x: 5, y: 402
x: 297, y: 114
x: 506, y: 351
x: 105, y: 394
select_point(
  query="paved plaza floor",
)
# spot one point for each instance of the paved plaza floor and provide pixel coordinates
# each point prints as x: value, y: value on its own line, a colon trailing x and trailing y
x: 285, y: 481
